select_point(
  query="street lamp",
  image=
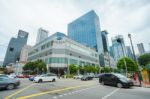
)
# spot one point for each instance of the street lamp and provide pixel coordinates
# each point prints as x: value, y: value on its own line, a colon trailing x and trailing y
x: 119, y: 41
x: 129, y: 35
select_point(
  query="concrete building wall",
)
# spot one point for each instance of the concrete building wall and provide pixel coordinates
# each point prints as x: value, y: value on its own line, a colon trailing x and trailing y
x: 24, y: 53
x: 62, y: 52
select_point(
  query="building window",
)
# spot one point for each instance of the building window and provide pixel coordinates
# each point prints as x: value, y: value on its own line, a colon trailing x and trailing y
x: 73, y: 61
x: 57, y: 60
x: 11, y: 49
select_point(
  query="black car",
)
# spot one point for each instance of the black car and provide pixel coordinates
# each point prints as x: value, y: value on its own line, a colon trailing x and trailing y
x: 8, y: 83
x: 115, y: 79
x: 86, y: 77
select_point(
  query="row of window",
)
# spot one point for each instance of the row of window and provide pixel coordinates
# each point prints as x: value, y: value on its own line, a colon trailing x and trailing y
x: 65, y: 61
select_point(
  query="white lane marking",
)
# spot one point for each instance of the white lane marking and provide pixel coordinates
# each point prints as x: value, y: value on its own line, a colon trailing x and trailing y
x: 65, y: 94
x: 60, y: 95
x: 55, y: 97
x: 108, y: 95
x: 77, y: 91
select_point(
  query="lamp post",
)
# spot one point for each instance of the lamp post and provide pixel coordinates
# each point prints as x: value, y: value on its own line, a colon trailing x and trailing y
x: 119, y: 41
x: 129, y: 35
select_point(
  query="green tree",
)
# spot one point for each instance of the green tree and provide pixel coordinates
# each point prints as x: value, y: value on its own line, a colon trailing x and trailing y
x: 90, y: 69
x: 144, y: 59
x: 131, y: 65
x: 73, y: 69
x: 106, y: 69
x: 36, y: 67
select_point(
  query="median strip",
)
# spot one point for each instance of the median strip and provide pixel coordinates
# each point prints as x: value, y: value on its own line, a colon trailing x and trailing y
x: 19, y: 91
x: 57, y: 90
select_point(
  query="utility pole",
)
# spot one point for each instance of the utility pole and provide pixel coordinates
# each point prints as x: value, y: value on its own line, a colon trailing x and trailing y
x: 129, y: 35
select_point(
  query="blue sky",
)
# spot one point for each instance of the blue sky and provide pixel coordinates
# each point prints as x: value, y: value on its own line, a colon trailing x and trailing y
x: 116, y: 16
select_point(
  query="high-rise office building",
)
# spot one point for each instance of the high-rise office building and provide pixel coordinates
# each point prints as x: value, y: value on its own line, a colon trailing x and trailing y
x: 41, y: 35
x: 105, y: 40
x: 86, y: 30
x: 141, y: 48
x: 14, y: 48
x: 129, y: 52
x: 118, y: 48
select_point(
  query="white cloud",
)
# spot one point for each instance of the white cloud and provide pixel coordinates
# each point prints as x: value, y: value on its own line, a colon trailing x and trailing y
x: 116, y: 16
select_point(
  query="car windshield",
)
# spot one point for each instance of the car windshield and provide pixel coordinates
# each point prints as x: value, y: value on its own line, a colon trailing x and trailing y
x: 3, y: 75
x: 120, y: 76
x: 4, y: 78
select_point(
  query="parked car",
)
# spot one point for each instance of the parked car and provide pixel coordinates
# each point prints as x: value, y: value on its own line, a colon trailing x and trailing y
x: 22, y: 76
x: 8, y: 83
x: 31, y: 78
x: 78, y: 76
x: 87, y: 77
x: 115, y: 79
x: 45, y: 77
x: 12, y: 76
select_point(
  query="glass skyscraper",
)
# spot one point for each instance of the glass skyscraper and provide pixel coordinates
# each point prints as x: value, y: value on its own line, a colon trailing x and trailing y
x: 86, y: 30
x: 105, y: 40
x: 118, y: 52
x: 141, y: 48
x: 14, y: 48
x: 129, y: 52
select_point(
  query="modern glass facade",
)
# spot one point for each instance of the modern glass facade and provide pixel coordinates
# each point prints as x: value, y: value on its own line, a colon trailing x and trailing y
x: 119, y: 49
x: 129, y: 52
x: 14, y: 48
x: 86, y: 30
x: 105, y: 40
x: 141, y: 48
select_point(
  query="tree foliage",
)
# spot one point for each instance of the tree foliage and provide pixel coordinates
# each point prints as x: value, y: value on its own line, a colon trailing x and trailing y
x: 144, y: 59
x: 131, y: 65
x: 36, y: 67
x: 83, y: 69
x: 106, y: 69
x: 73, y: 69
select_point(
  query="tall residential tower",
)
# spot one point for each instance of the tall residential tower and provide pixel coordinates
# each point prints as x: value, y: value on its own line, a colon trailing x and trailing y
x: 41, y: 35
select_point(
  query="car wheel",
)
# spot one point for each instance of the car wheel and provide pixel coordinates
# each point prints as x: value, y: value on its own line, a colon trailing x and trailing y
x: 53, y: 80
x: 40, y: 81
x: 10, y: 86
x: 119, y: 85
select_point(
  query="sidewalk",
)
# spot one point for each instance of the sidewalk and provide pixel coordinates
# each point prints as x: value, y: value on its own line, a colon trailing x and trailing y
x: 146, y: 84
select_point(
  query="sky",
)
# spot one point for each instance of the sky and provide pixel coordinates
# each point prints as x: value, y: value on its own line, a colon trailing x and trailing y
x: 116, y: 16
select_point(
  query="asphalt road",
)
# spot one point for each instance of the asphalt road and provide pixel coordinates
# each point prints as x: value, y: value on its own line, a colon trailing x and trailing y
x: 72, y: 89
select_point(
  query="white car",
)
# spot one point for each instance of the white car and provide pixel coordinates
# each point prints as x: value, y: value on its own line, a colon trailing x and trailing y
x: 78, y: 76
x: 12, y: 76
x: 45, y: 77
